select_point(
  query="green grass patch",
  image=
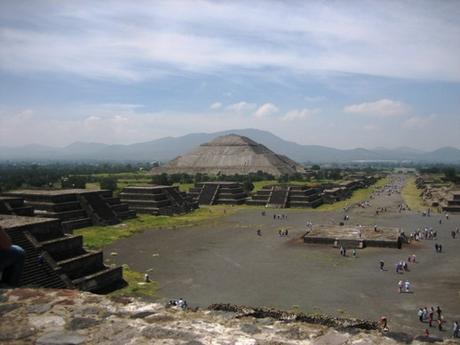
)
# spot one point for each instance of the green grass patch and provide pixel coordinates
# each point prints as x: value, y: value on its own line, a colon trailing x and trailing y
x: 411, y: 196
x: 96, y: 237
x: 357, y: 196
x: 136, y: 286
x: 184, y: 187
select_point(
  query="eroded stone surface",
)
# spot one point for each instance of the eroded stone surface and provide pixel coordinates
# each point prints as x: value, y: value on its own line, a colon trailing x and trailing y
x: 40, y: 317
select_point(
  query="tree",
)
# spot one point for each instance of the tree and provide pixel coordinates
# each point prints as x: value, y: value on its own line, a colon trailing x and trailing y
x: 109, y: 183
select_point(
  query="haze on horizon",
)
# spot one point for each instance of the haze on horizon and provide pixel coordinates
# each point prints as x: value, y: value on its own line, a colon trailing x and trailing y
x: 339, y: 74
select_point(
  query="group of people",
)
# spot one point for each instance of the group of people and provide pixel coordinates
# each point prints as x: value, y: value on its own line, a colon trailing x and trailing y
x: 404, y: 286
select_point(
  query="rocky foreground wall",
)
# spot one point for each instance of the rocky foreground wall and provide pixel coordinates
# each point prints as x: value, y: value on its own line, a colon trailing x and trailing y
x: 39, y: 316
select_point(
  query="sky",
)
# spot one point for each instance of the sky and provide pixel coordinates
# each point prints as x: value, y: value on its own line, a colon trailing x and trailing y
x: 343, y: 74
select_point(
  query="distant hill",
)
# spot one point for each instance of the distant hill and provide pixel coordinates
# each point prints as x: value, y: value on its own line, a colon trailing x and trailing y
x: 165, y: 149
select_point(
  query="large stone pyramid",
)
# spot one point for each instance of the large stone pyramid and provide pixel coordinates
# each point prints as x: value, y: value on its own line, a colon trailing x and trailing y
x: 229, y: 155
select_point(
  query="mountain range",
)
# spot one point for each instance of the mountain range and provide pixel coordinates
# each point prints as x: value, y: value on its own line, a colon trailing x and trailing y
x: 167, y: 148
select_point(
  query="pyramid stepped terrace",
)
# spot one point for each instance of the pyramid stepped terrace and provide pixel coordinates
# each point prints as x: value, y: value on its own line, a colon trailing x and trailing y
x: 212, y: 193
x: 230, y: 155
x: 283, y: 196
x: 75, y: 208
x: 58, y: 260
x: 15, y: 206
x: 453, y: 205
x: 157, y: 200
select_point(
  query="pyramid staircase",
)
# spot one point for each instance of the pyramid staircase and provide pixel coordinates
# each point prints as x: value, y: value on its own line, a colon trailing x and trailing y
x: 212, y: 193
x: 283, y: 196
x: 157, y: 200
x: 58, y: 260
x: 15, y: 206
x: 76, y: 208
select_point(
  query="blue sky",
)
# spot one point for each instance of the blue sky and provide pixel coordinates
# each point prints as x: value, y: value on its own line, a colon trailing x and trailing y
x: 342, y: 74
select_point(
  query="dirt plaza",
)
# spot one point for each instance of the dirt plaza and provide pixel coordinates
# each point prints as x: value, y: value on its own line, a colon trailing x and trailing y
x: 225, y: 261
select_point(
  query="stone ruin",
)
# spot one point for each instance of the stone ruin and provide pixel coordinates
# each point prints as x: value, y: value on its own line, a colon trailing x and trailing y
x: 58, y: 260
x: 158, y: 200
x: 212, y: 193
x: 453, y: 205
x: 354, y: 236
x: 344, y: 190
x: 283, y: 196
x: 75, y: 208
x: 230, y: 155
x: 15, y: 206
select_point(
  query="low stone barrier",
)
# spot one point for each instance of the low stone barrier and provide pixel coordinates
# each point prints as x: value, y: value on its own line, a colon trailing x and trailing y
x: 319, y: 319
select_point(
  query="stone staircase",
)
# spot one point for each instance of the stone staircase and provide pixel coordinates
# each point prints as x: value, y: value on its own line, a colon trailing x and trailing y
x: 76, y: 208
x: 224, y: 192
x: 65, y: 264
x: 278, y: 197
x: 15, y: 206
x: 157, y: 200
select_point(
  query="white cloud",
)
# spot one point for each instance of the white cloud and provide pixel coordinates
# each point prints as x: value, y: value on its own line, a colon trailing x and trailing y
x: 417, y: 122
x: 241, y: 107
x: 215, y: 106
x: 266, y: 109
x: 380, y: 108
x: 299, y: 114
x: 133, y: 41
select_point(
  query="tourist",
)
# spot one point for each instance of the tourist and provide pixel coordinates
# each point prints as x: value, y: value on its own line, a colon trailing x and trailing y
x: 430, y: 317
x: 438, y: 312
x: 407, y: 286
x: 146, y: 278
x: 11, y: 260
x: 440, y: 322
x: 455, y: 329
x: 384, y: 323
x: 426, y: 333
x: 259, y: 232
x: 436, y: 248
x: 354, y: 253
x: 414, y: 258
x: 400, y: 289
x: 420, y: 311
x: 382, y: 264
x: 453, y: 234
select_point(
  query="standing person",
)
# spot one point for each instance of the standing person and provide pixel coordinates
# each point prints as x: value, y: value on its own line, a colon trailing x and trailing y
x: 419, y: 313
x: 430, y: 317
x: 438, y: 312
x: 455, y: 329
x: 407, y: 286
x: 400, y: 289
x: 11, y: 260
x: 382, y: 264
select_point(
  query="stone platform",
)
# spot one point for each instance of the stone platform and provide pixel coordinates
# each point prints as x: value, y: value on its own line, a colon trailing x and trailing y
x: 285, y: 195
x: 157, y: 200
x: 354, y: 236
x: 218, y: 192
x: 76, y: 208
x: 65, y: 264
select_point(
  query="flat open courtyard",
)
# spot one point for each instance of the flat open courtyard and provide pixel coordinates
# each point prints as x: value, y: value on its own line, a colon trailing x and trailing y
x: 226, y: 261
